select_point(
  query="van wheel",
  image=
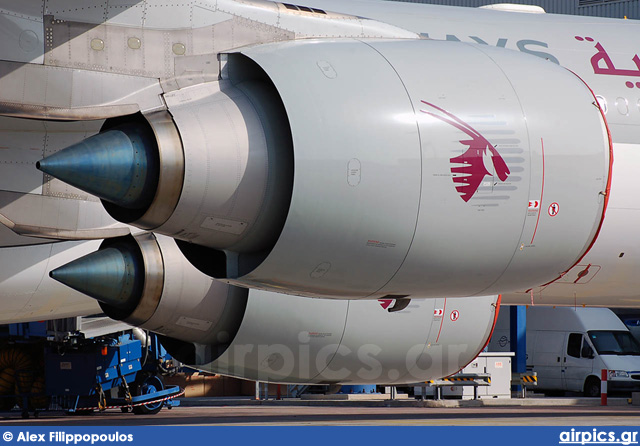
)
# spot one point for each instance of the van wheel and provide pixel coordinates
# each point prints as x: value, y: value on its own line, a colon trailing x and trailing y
x: 592, y: 387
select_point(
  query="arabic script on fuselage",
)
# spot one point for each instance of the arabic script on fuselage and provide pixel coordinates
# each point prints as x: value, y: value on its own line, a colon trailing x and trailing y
x: 602, y: 63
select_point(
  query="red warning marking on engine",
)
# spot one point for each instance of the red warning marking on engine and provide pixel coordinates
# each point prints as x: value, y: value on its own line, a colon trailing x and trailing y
x: 583, y: 273
x: 455, y: 314
x: 534, y: 205
x: 554, y: 208
x: 384, y: 303
x: 438, y: 312
x: 535, y: 230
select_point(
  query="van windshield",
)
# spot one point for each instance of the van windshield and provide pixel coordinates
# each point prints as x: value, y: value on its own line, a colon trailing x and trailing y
x: 614, y: 342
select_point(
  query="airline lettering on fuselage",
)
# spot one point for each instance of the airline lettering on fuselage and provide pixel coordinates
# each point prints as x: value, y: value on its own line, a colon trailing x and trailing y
x: 602, y: 63
x: 525, y: 45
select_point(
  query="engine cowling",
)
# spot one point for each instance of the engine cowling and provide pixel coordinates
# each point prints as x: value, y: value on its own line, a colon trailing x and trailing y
x: 298, y: 340
x: 144, y: 281
x: 465, y: 174
x: 356, y: 169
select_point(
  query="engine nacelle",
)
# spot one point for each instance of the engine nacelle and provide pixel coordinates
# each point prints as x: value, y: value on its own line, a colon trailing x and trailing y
x: 355, y: 169
x: 433, y: 167
x: 298, y: 340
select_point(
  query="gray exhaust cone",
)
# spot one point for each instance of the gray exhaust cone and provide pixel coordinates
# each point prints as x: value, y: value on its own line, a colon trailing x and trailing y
x: 119, y: 166
x: 113, y: 275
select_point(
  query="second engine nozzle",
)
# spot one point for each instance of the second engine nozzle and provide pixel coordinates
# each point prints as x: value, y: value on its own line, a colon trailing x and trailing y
x: 113, y: 275
x: 144, y: 281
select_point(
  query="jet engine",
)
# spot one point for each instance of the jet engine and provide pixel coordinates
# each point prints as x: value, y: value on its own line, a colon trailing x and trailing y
x: 145, y: 281
x: 254, y: 334
x: 362, y: 169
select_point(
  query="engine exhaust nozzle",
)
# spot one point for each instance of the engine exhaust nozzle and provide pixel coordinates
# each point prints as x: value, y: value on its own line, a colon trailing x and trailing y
x: 120, y: 166
x: 113, y: 275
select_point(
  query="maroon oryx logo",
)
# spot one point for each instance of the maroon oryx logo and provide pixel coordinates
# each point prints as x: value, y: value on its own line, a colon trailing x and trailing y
x: 469, y: 168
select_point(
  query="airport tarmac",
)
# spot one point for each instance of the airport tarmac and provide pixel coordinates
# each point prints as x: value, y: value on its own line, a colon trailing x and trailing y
x: 556, y: 413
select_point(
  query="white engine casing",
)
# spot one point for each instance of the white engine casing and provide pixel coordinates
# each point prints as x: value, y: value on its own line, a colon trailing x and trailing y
x: 298, y: 340
x: 378, y: 205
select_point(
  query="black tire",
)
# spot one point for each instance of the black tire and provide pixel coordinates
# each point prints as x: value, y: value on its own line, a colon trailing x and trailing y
x: 592, y: 387
x: 146, y: 383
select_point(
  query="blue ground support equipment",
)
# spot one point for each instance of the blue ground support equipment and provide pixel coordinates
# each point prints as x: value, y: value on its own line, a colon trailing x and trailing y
x: 104, y: 376
x: 41, y: 371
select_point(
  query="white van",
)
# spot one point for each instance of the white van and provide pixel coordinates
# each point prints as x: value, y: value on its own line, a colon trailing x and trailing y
x: 568, y: 348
